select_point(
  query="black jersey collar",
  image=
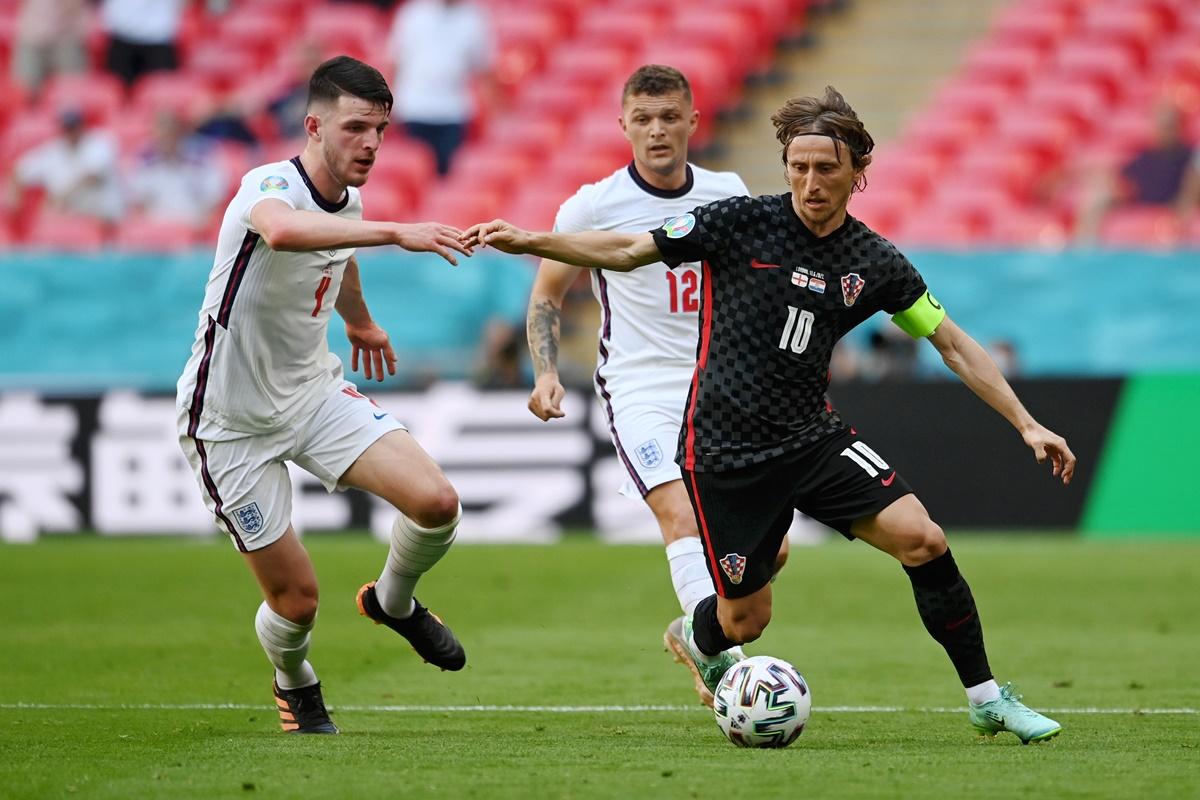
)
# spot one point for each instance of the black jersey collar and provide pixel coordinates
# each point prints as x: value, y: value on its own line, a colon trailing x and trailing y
x: 654, y: 190
x: 806, y: 232
x: 324, y: 204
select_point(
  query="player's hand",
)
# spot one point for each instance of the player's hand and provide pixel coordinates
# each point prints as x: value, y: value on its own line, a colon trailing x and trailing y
x: 432, y: 237
x: 504, y: 236
x: 1048, y: 444
x: 545, y: 401
x: 371, y: 342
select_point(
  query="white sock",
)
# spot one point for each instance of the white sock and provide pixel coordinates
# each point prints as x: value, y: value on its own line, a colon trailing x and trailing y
x: 700, y: 654
x: 413, y: 551
x: 689, y: 574
x: 286, y: 644
x: 982, y: 693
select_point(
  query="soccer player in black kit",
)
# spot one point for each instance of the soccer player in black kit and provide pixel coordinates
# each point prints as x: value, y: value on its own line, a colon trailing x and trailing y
x: 784, y: 277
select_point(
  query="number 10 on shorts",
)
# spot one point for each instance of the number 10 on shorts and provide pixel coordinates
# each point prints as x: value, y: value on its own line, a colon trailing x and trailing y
x: 866, y: 458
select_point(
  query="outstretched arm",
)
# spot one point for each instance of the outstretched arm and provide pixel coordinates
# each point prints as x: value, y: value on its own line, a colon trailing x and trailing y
x: 367, y: 339
x: 542, y: 327
x: 977, y: 370
x: 286, y: 228
x: 593, y: 249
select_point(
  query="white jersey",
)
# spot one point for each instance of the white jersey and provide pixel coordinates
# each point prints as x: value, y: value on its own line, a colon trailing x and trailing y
x: 649, y: 322
x: 260, y: 359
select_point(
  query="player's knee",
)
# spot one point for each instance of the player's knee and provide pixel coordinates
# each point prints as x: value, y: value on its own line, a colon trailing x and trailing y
x: 439, y: 507
x: 297, y: 604
x: 780, y: 559
x: 924, y: 542
x: 748, y: 623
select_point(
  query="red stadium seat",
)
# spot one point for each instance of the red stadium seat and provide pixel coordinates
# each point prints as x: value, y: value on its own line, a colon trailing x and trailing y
x: 491, y: 165
x: 68, y: 233
x: 1005, y: 168
x: 1028, y: 228
x: 1080, y: 101
x: 942, y: 136
x: 535, y: 207
x: 547, y: 96
x: 531, y: 137
x: 1110, y: 65
x: 99, y: 95
x: 884, y: 209
x: 950, y: 231
x: 459, y: 205
x: 222, y: 65
x: 629, y: 28
x: 386, y: 201
x: 600, y: 135
x: 1141, y: 226
x: 1134, y: 26
x: 1009, y: 63
x: 981, y: 100
x: 595, y: 65
x: 1041, y: 28
x: 571, y: 169
x: 524, y: 37
x: 744, y: 49
x: 357, y: 30
x: 142, y: 233
x: 26, y: 132
x: 258, y: 27
x: 188, y: 95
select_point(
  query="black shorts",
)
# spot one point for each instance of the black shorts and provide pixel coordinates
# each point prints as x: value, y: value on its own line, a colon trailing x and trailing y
x: 743, y: 514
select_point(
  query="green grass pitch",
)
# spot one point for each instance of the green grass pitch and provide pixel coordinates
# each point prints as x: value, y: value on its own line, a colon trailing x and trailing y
x: 117, y: 657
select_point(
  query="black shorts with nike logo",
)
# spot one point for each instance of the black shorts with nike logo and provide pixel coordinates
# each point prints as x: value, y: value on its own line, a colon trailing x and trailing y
x: 743, y: 514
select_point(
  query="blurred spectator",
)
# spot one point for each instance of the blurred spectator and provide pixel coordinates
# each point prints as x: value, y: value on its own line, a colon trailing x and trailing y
x: 175, y: 179
x: 891, y: 353
x: 1004, y: 353
x: 439, y: 47
x: 1154, y: 176
x: 50, y: 38
x: 142, y: 36
x: 500, y: 365
x: 227, y: 123
x: 77, y: 170
x: 288, y: 107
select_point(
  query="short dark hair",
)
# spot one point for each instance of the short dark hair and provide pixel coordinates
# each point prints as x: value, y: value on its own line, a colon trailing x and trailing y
x: 656, y: 80
x: 830, y: 116
x: 343, y: 75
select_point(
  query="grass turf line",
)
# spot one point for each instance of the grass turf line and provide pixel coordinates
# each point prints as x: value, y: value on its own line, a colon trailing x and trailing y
x: 1076, y: 624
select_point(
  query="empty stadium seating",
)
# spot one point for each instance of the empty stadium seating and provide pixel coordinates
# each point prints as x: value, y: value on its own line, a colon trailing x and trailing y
x: 561, y: 64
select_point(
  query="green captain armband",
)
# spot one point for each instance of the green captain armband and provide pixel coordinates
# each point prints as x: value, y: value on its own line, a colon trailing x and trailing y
x: 921, y: 318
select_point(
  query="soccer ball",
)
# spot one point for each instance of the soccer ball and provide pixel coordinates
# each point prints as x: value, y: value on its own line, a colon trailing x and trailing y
x: 762, y: 702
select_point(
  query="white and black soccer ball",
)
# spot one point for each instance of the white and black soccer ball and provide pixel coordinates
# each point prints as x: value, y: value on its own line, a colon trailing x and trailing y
x: 762, y: 702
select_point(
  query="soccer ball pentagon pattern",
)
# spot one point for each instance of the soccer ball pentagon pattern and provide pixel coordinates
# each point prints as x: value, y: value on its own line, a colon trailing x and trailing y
x: 762, y: 702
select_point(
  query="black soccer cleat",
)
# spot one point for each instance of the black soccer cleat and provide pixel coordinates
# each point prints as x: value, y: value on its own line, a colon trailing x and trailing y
x: 303, y: 710
x: 424, y: 630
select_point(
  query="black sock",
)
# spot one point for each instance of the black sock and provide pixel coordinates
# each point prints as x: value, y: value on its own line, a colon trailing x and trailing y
x: 706, y: 630
x: 947, y: 608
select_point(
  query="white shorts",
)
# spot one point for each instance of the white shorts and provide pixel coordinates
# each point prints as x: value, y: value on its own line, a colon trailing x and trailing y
x: 245, y: 482
x: 645, y: 431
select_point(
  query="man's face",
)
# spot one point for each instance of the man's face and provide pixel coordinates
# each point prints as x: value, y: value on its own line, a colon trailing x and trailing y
x: 658, y: 127
x: 821, y: 181
x: 350, y: 133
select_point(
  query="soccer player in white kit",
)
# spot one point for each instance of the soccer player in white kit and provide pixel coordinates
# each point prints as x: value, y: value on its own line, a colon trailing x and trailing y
x: 649, y: 321
x: 262, y: 388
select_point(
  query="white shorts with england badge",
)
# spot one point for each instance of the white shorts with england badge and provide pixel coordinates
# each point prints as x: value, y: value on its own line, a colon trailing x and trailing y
x: 644, y: 427
x: 244, y: 480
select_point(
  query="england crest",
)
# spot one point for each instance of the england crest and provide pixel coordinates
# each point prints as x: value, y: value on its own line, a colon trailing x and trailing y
x: 734, y: 566
x: 249, y: 518
x: 852, y: 286
x: 649, y: 453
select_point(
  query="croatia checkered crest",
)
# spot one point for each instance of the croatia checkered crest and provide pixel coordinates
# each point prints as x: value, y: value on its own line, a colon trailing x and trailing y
x: 762, y: 702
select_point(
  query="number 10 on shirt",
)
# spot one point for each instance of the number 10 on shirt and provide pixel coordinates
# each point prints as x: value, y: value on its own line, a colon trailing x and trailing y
x: 796, y: 330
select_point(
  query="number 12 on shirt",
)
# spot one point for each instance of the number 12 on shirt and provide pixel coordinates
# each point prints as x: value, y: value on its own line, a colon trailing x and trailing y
x: 682, y: 289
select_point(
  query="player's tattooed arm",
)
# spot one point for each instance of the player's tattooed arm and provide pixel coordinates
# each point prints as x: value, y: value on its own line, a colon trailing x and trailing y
x: 972, y: 364
x: 543, y: 326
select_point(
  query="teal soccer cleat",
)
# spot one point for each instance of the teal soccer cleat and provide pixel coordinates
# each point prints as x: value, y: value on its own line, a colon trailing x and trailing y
x: 1008, y: 713
x: 706, y: 676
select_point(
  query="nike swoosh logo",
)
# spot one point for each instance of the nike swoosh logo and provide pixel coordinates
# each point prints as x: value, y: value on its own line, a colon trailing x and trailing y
x: 756, y: 264
x: 381, y: 416
x: 888, y: 480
